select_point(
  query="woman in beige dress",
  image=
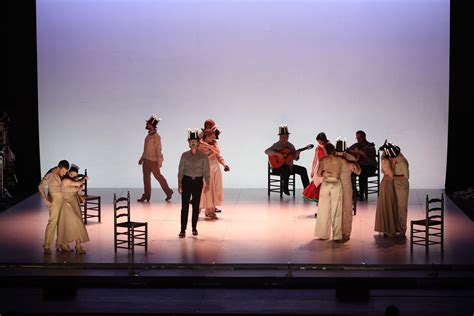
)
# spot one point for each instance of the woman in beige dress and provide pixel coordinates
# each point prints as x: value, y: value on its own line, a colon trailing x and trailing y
x: 349, y: 166
x: 71, y: 227
x: 386, y: 217
x: 215, y: 195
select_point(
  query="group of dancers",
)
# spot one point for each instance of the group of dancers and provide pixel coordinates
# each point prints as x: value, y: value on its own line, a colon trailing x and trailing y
x: 333, y: 170
x: 199, y: 173
x: 200, y: 184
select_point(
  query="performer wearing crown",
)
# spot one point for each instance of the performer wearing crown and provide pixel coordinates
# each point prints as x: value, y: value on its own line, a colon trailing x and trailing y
x: 193, y: 175
x: 215, y: 195
x: 401, y: 184
x: 152, y: 160
x: 386, y: 215
x: 280, y: 149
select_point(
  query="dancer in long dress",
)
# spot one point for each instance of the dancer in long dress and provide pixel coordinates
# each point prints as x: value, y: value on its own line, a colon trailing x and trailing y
x: 349, y: 166
x: 71, y: 228
x: 311, y: 192
x: 215, y: 195
x: 386, y: 217
x: 400, y: 182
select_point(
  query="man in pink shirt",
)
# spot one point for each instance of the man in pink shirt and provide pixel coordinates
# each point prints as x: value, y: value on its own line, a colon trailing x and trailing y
x: 152, y: 160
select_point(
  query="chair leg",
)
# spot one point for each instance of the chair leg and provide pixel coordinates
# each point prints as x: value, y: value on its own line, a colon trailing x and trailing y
x: 427, y: 239
x: 85, y: 211
x: 294, y: 186
x: 281, y: 188
x: 146, y: 237
x: 100, y: 211
x: 133, y: 241
x: 115, y: 240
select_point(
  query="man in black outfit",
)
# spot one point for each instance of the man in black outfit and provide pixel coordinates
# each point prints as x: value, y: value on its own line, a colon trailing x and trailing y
x: 288, y: 167
x: 364, y: 151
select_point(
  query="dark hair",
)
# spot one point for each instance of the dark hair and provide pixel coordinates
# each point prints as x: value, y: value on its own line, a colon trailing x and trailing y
x: 361, y: 132
x: 74, y: 169
x: 63, y: 164
x: 322, y: 136
x: 329, y: 148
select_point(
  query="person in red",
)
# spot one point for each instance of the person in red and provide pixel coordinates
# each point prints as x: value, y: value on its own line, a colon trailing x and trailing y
x: 311, y: 192
x: 151, y: 160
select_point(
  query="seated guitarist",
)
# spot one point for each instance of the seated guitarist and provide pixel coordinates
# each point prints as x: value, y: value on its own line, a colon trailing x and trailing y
x: 288, y: 167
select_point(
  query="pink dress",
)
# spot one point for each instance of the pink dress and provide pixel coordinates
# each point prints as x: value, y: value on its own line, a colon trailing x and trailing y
x: 215, y: 195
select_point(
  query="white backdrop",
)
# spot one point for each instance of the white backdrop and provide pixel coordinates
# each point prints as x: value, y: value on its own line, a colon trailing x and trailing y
x: 325, y: 65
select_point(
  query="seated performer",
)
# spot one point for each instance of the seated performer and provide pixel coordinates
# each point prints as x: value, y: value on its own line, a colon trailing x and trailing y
x: 286, y: 152
x: 364, y: 152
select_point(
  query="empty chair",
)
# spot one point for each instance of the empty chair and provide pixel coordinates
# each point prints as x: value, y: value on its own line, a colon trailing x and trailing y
x: 91, y: 205
x: 275, y: 182
x: 128, y: 234
x: 429, y: 230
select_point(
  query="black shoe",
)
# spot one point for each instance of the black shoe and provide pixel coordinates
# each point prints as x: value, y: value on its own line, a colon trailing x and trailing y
x: 286, y: 191
x: 182, y: 234
x: 218, y: 210
x: 143, y: 199
x: 168, y: 197
x: 195, y: 232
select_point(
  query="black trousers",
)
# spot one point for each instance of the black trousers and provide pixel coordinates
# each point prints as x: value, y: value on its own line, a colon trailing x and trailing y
x: 192, y: 188
x: 285, y: 172
x: 366, y: 171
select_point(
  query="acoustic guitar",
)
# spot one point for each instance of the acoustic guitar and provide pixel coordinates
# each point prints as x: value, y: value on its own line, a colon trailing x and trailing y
x: 277, y: 162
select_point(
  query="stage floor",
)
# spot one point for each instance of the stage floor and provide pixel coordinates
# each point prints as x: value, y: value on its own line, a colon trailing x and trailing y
x: 252, y: 229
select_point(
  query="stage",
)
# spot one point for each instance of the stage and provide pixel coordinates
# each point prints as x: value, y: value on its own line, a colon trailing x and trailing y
x: 252, y: 229
x: 257, y: 243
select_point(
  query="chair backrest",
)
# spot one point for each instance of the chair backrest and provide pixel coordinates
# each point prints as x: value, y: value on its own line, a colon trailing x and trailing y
x: 122, y: 208
x: 435, y: 208
x: 84, y: 188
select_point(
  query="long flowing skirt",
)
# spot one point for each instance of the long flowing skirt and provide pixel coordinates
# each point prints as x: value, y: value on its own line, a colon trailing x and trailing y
x: 311, y: 192
x: 70, y: 225
x: 386, y: 218
x: 215, y: 195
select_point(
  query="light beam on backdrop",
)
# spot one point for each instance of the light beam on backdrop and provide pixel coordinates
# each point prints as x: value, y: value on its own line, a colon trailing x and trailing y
x: 335, y: 66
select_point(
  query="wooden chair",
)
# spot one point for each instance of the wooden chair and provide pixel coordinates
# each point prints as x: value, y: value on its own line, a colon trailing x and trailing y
x: 354, y: 197
x: 429, y: 230
x: 91, y: 204
x: 275, y: 182
x: 373, y: 180
x: 128, y: 234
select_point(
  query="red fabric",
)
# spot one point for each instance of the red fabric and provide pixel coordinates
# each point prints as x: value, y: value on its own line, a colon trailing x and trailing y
x: 311, y: 192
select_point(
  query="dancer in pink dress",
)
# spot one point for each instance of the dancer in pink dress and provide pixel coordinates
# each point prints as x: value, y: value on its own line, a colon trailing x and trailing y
x: 215, y: 195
